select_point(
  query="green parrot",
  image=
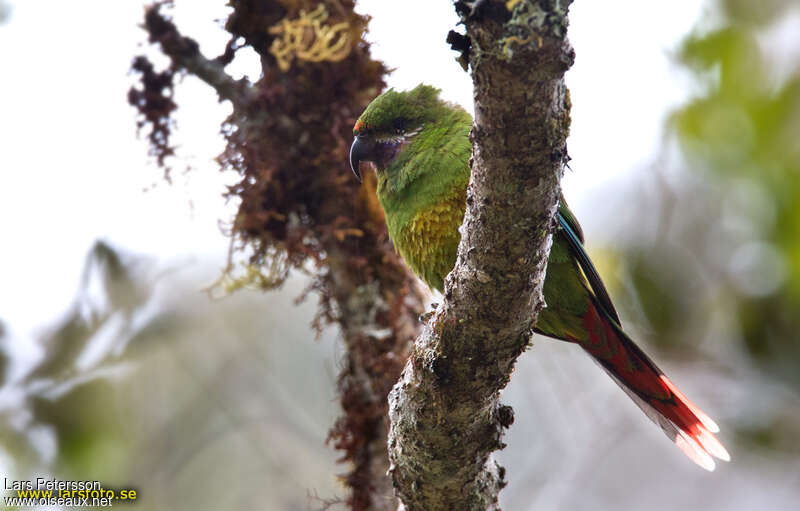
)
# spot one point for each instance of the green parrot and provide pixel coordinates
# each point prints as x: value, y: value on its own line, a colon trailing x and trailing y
x: 420, y: 149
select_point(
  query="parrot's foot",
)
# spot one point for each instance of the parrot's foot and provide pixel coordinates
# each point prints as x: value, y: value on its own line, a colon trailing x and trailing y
x: 425, y: 316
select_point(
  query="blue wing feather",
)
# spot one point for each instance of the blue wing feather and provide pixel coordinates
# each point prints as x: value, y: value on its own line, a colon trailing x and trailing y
x: 576, y: 246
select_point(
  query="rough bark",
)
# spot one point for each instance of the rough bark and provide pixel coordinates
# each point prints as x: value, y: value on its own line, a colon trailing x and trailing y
x: 446, y: 417
x: 288, y: 138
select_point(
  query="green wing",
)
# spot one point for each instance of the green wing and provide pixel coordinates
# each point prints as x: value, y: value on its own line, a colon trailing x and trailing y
x: 572, y: 230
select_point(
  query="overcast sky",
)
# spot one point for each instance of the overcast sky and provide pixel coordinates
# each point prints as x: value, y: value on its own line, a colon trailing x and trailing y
x: 73, y: 170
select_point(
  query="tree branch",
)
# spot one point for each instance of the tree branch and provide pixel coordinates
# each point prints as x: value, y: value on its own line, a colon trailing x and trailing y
x: 185, y: 55
x: 446, y: 418
x: 288, y: 139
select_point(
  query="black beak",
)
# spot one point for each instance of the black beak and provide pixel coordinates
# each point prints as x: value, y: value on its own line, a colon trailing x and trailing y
x: 360, y: 150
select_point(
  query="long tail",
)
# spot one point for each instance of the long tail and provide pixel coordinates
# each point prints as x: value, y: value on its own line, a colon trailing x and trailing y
x: 683, y: 422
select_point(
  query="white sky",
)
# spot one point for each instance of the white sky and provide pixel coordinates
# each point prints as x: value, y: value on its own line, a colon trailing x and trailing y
x: 64, y: 182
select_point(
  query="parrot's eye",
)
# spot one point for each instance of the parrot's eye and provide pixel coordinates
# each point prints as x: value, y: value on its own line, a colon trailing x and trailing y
x: 399, y: 125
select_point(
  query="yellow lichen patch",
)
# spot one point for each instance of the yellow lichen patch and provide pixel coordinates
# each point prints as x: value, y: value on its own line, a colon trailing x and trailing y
x: 514, y: 39
x: 308, y: 38
x: 511, y: 3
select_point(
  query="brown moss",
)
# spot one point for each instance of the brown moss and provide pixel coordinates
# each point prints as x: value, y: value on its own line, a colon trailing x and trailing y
x: 153, y: 100
x: 288, y: 140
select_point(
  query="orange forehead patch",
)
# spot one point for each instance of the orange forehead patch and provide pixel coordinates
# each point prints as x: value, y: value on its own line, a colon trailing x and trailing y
x: 358, y: 126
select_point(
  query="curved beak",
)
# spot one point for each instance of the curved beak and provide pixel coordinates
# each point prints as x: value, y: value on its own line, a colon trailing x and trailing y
x: 360, y: 150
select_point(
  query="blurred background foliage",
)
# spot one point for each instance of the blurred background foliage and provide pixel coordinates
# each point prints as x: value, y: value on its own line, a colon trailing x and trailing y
x: 5, y: 11
x: 148, y: 382
x: 744, y: 135
x: 718, y: 253
x: 211, y: 404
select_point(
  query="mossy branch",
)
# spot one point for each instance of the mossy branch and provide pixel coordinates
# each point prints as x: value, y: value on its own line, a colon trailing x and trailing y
x: 287, y: 139
x: 185, y: 55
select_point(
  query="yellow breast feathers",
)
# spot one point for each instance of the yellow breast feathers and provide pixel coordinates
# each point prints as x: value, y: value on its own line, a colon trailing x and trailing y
x: 429, y: 241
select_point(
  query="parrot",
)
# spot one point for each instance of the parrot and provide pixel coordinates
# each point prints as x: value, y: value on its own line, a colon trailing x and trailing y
x: 419, y: 148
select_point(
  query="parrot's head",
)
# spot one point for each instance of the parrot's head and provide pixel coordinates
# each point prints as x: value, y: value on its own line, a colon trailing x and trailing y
x: 390, y: 123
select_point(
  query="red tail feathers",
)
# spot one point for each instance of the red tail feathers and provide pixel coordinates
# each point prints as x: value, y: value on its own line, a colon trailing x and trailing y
x: 682, y: 421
